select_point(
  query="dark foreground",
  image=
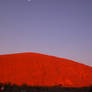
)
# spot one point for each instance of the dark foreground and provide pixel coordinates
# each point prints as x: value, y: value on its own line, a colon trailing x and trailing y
x: 25, y: 88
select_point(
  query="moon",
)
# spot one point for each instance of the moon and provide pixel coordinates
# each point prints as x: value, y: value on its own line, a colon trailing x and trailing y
x: 29, y: 0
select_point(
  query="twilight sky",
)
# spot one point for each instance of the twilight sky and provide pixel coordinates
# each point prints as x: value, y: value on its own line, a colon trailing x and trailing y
x: 60, y: 28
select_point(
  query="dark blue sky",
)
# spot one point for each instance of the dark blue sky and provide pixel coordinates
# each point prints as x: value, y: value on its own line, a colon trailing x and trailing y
x: 61, y: 28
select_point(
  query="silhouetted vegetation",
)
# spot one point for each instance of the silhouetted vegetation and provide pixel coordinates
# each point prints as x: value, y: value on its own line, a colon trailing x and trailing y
x: 25, y: 88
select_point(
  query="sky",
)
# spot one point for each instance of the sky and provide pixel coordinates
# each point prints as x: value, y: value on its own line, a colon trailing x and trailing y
x: 61, y: 28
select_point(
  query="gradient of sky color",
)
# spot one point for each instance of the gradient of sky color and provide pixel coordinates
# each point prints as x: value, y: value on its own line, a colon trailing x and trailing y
x: 61, y: 28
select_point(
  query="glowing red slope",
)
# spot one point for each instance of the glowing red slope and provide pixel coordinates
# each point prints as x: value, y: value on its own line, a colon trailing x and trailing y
x: 43, y: 70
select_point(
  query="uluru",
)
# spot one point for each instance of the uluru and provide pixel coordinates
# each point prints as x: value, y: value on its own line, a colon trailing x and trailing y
x: 36, y: 69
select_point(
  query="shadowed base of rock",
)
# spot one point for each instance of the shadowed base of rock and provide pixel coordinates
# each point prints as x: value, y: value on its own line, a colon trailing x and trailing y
x: 25, y: 88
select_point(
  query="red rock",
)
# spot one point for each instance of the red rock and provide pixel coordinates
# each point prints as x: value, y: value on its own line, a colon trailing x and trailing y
x: 42, y: 70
